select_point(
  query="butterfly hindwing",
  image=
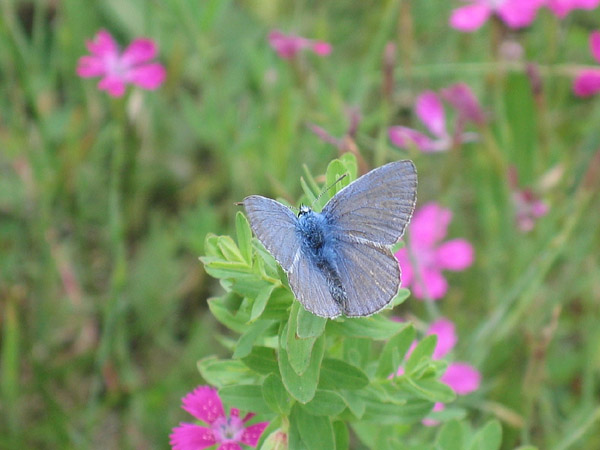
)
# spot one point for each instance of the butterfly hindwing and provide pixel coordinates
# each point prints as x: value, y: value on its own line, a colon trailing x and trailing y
x: 377, y: 206
x: 370, y: 275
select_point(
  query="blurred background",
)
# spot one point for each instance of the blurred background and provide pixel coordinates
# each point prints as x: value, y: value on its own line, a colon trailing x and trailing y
x: 105, y: 202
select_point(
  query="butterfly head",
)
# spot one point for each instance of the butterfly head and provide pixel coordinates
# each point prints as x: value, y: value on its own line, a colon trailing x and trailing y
x: 303, y: 210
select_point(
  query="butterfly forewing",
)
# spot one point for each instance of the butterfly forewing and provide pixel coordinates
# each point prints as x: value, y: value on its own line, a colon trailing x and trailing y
x: 275, y: 226
x: 377, y: 206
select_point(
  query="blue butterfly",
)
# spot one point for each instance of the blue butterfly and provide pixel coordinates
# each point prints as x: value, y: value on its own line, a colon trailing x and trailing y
x: 339, y: 261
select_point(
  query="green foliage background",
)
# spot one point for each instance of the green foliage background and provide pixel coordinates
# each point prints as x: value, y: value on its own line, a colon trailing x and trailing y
x: 103, y: 311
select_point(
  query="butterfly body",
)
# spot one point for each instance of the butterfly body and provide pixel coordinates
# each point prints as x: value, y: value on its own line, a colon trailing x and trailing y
x: 338, y: 261
x: 318, y: 244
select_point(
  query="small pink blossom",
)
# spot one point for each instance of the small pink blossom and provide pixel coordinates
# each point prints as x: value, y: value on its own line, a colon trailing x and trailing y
x: 461, y: 377
x: 204, y: 404
x: 425, y: 256
x: 514, y: 13
x: 430, y: 111
x: 118, y: 69
x: 563, y: 7
x: 288, y: 46
x: 587, y: 82
x: 528, y: 206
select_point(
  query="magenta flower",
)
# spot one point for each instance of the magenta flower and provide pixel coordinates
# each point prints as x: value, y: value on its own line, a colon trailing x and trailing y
x: 288, y: 46
x: 424, y: 256
x: 514, y: 13
x: 204, y: 404
x: 563, y: 7
x: 587, y: 82
x: 528, y: 206
x: 461, y: 377
x: 430, y: 111
x: 118, y: 69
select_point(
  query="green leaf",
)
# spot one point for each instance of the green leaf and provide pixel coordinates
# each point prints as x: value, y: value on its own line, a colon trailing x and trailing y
x: 325, y: 403
x: 430, y: 389
x: 422, y: 351
x: 230, y: 250
x: 260, y: 302
x: 262, y: 360
x: 389, y: 413
x: 309, y: 325
x: 220, y: 308
x: 307, y: 191
x: 450, y: 437
x: 376, y: 327
x: 351, y: 165
x: 279, y: 304
x: 488, y: 438
x: 341, y: 435
x: 244, y: 236
x: 275, y: 395
x: 298, y: 350
x: 247, y: 397
x: 247, y: 340
x: 394, y: 350
x: 354, y: 402
x: 337, y: 374
x: 274, y: 440
x: 302, y: 388
x: 295, y: 440
x: 400, y: 297
x: 316, y: 432
x: 221, y: 373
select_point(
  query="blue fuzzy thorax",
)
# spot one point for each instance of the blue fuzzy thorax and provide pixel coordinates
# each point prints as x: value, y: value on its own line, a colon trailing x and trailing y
x: 318, y: 244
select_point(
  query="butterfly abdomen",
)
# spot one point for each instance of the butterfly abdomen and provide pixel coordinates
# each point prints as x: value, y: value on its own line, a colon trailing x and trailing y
x: 318, y: 245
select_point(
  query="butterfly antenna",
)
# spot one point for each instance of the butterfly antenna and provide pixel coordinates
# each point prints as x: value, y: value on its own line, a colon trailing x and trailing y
x: 329, y: 187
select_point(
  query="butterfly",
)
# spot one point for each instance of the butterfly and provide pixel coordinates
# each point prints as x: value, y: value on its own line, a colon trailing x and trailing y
x: 339, y: 261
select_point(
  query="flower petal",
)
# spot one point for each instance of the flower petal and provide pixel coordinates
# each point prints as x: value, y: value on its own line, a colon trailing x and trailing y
x: 431, y: 284
x: 287, y: 46
x: 461, y: 97
x: 229, y: 446
x: 471, y: 17
x: 587, y: 83
x: 321, y: 48
x: 563, y: 7
x: 405, y: 137
x: 446, y: 337
x: 519, y: 13
x: 204, y: 404
x: 462, y: 378
x: 431, y: 112
x: 139, y: 51
x: 406, y: 269
x: 252, y: 433
x: 149, y: 76
x: 188, y: 436
x: 456, y: 254
x: 595, y: 45
x: 90, y: 66
x: 429, y: 225
x: 115, y: 86
x: 103, y: 45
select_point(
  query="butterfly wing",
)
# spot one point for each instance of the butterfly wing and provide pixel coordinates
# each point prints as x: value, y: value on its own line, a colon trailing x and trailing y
x: 310, y: 287
x: 368, y: 216
x: 377, y: 206
x: 275, y: 226
x: 370, y: 275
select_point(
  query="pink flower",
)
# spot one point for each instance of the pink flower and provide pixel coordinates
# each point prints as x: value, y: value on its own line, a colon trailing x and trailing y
x: 461, y: 377
x: 563, y: 7
x: 117, y: 69
x: 514, y: 13
x: 204, y: 404
x: 588, y: 81
x: 288, y: 46
x: 528, y: 206
x: 424, y: 256
x: 429, y: 109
